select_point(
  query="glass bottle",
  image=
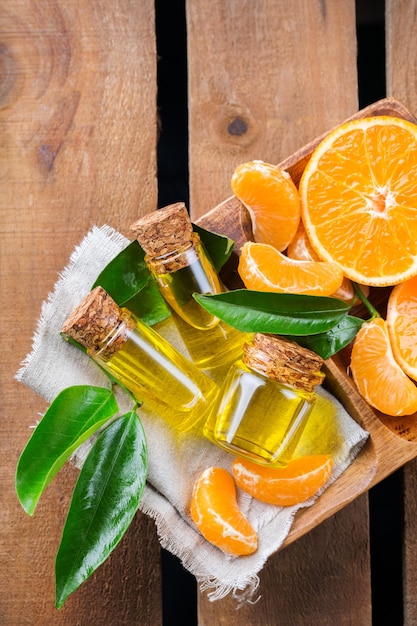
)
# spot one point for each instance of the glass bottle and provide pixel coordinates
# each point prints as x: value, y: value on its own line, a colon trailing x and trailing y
x: 138, y: 357
x: 180, y: 266
x: 265, y: 401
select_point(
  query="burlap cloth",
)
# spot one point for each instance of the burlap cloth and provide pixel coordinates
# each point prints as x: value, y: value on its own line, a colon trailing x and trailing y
x: 174, y: 464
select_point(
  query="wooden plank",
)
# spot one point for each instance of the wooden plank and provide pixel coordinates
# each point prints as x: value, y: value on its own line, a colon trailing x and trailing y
x: 401, y: 78
x: 252, y: 95
x: 78, y: 135
x: 297, y: 584
x: 263, y: 81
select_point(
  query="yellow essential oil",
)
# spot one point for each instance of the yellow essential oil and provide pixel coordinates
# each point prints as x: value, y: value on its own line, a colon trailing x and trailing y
x: 195, y: 275
x: 265, y: 401
x: 180, y: 267
x: 140, y: 359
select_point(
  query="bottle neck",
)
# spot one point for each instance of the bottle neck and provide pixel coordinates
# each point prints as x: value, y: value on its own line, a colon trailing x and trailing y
x: 105, y: 347
x: 183, y: 256
x: 283, y: 370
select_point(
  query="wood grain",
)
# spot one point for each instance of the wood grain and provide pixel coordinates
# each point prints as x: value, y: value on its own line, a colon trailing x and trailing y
x: 263, y: 81
x: 77, y: 136
x: 401, y: 78
x: 249, y: 65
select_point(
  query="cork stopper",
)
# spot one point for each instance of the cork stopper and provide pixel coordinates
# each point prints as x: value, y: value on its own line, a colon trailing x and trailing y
x: 95, y: 321
x: 284, y: 360
x: 165, y: 230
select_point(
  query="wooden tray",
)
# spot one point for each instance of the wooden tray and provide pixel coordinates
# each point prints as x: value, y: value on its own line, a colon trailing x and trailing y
x: 392, y: 441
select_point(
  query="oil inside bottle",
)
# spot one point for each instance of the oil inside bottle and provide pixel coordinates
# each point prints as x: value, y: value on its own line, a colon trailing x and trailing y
x: 162, y: 379
x: 257, y: 417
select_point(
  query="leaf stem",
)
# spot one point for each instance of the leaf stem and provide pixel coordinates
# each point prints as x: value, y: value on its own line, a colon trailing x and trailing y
x: 370, y: 308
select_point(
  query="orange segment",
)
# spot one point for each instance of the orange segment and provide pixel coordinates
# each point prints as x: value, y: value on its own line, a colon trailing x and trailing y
x: 300, y: 249
x: 286, y: 486
x: 359, y: 200
x: 216, y: 514
x: 263, y: 268
x: 402, y: 325
x: 378, y: 377
x: 272, y: 200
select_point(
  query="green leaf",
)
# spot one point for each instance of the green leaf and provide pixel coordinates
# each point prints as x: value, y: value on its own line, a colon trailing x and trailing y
x: 75, y: 414
x: 128, y: 281
x: 329, y: 343
x: 148, y: 305
x: 218, y: 247
x: 105, y: 499
x: 125, y: 275
x: 279, y: 313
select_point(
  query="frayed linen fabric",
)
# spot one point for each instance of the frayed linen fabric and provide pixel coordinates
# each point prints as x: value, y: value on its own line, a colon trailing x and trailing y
x: 174, y: 462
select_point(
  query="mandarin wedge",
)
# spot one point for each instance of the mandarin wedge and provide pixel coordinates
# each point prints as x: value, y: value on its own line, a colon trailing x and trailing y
x: 402, y: 325
x: 216, y: 514
x: 293, y: 484
x: 263, y: 268
x: 272, y: 200
x: 359, y: 200
x: 377, y: 375
x: 300, y: 249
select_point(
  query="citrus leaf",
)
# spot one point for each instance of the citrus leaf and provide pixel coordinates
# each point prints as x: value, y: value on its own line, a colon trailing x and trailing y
x: 148, y: 305
x: 128, y: 281
x: 279, y: 313
x: 75, y: 414
x: 218, y: 247
x: 125, y: 275
x: 105, y: 499
x: 329, y: 343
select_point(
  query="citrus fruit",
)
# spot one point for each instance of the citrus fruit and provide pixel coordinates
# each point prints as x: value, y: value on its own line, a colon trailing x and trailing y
x: 263, y: 268
x: 301, y: 249
x: 378, y: 377
x: 359, y: 200
x: 272, y: 200
x: 216, y: 514
x: 402, y: 325
x: 286, y: 486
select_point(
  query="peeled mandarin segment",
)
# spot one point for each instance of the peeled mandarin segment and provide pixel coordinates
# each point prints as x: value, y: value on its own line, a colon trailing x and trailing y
x: 216, y: 514
x: 293, y: 484
x: 300, y: 249
x: 402, y: 325
x: 359, y: 200
x: 377, y: 375
x: 272, y: 200
x: 263, y: 268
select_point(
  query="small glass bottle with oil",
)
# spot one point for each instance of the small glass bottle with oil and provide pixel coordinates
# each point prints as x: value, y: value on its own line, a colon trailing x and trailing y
x: 146, y: 364
x: 265, y: 401
x: 180, y: 266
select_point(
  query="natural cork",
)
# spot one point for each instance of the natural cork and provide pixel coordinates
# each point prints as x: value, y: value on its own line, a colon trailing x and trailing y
x: 95, y: 321
x: 164, y: 231
x: 284, y: 361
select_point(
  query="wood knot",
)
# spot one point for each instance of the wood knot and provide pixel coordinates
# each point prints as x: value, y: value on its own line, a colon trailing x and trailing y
x: 238, y: 126
x: 234, y: 125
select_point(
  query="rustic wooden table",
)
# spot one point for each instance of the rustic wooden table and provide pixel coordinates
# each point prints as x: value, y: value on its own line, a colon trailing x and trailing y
x: 78, y: 92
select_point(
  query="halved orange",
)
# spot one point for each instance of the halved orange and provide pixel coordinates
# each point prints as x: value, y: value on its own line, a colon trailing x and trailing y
x: 402, y: 325
x: 377, y: 375
x: 359, y: 200
x: 263, y: 268
x: 286, y: 486
x: 216, y: 514
x: 272, y: 200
